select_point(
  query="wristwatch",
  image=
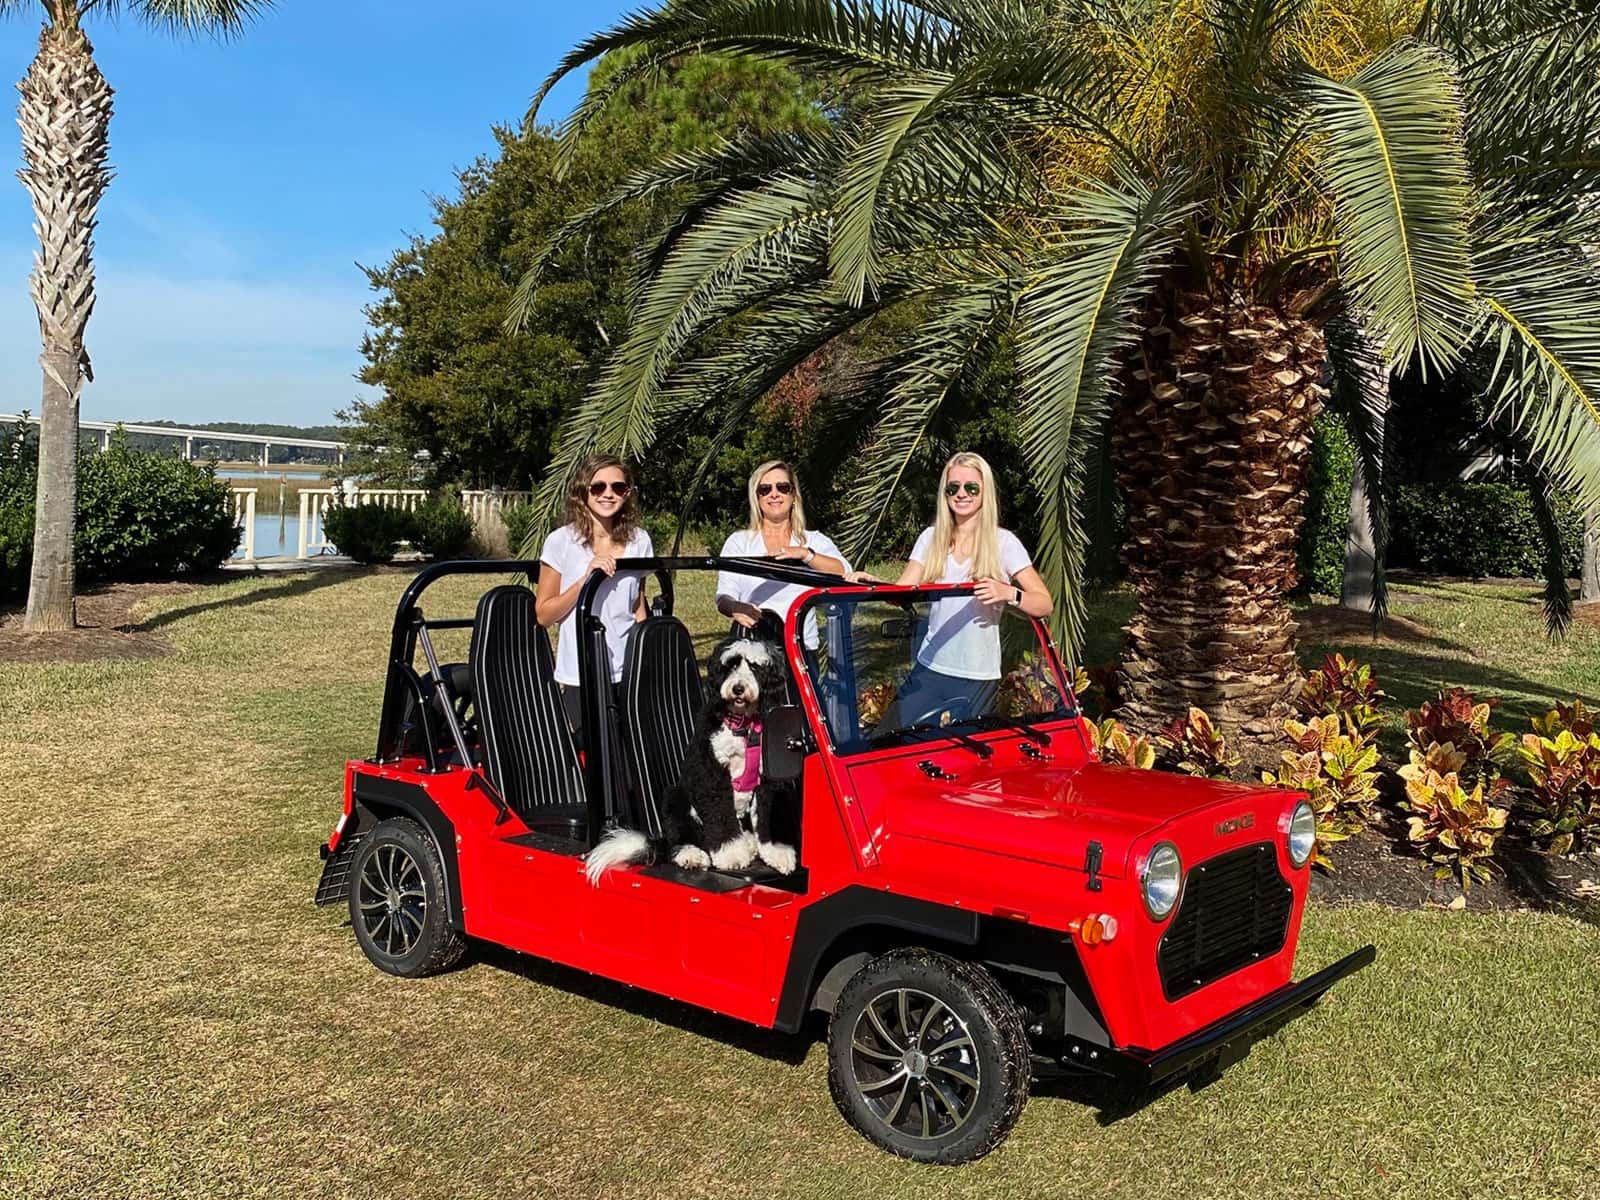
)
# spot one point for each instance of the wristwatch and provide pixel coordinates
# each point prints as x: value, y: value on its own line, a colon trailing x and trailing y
x: 1017, y: 598
x: 810, y: 554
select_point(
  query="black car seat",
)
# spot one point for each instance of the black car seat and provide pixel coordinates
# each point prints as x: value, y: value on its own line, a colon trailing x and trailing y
x: 528, y: 753
x: 661, y: 702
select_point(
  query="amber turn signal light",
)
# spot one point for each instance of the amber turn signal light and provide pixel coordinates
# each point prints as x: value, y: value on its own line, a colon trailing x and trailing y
x: 1095, y: 928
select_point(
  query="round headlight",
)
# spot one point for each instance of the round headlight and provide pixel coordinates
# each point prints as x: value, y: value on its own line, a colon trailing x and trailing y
x: 1162, y: 880
x: 1302, y: 833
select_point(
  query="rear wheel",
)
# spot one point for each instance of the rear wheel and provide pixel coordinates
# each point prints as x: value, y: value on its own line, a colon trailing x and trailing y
x: 928, y: 1057
x: 397, y: 902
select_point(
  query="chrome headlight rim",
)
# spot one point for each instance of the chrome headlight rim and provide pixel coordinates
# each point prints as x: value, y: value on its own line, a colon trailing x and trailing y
x: 1302, y: 821
x: 1153, y: 910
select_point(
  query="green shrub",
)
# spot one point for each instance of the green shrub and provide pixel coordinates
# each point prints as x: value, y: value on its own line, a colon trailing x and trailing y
x: 1476, y: 530
x: 1320, y: 551
x: 140, y: 515
x: 518, y: 520
x: 150, y: 515
x: 368, y: 533
x: 441, y: 528
x: 19, y: 465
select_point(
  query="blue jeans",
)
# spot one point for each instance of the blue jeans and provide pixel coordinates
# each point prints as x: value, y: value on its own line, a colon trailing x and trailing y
x: 927, y: 695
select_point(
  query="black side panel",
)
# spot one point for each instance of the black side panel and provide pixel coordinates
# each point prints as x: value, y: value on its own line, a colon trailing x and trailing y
x: 857, y: 908
x: 527, y: 748
x: 661, y: 702
x: 380, y: 796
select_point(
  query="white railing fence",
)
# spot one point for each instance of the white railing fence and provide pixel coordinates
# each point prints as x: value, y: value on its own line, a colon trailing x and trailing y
x: 244, y: 516
x: 315, y: 502
x: 484, y: 507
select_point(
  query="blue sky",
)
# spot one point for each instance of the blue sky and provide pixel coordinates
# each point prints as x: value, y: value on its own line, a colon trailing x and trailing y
x: 252, y: 176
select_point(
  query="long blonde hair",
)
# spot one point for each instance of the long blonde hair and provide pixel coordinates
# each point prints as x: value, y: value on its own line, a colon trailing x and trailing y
x: 797, y: 512
x: 986, y: 542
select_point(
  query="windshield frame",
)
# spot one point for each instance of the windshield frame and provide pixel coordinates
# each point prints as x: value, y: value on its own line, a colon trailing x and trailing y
x: 889, y: 594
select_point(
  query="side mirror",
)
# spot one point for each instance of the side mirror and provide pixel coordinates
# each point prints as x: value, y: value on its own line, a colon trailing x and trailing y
x: 785, y: 741
x: 897, y: 628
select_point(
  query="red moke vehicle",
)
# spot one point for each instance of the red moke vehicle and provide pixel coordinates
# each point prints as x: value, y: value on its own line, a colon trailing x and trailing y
x: 976, y: 897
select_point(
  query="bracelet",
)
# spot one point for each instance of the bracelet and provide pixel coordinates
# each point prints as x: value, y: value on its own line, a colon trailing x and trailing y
x: 810, y: 554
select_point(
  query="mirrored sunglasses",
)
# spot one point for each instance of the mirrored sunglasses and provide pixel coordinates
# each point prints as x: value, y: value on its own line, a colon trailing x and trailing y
x: 969, y: 486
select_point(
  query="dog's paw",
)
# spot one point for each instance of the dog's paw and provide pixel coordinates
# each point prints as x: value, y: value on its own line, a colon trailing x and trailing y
x: 735, y: 854
x: 779, y: 857
x: 691, y: 858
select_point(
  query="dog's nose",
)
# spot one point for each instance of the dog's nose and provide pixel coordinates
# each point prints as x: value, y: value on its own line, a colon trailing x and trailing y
x: 738, y: 689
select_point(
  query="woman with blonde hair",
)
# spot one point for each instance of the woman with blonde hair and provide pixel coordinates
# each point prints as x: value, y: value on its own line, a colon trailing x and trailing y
x: 602, y: 526
x: 778, y: 530
x: 958, y: 661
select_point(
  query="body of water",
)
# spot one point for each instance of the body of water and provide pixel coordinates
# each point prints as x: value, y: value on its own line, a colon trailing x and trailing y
x: 272, y: 473
x: 275, y: 538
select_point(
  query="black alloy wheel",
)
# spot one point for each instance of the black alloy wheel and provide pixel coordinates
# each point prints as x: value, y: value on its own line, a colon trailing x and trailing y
x: 928, y: 1057
x: 397, y: 902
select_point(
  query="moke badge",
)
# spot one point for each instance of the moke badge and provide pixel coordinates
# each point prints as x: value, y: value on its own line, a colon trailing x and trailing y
x: 1235, y: 824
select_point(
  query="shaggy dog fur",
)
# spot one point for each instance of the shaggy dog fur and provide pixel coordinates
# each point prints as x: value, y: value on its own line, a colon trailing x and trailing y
x: 707, y: 823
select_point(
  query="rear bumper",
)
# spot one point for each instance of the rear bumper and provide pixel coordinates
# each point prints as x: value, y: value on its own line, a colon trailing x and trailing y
x: 1229, y: 1039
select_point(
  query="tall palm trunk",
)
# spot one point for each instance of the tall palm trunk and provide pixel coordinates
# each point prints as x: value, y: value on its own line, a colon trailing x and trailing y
x: 1362, y: 554
x: 64, y: 114
x: 1211, y: 440
x: 1589, y: 584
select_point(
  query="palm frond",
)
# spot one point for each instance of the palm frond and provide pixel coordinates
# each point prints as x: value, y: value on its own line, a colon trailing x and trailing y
x: 222, y: 18
x: 962, y: 324
x: 1076, y: 316
x: 815, y: 37
x: 1394, y: 162
x: 1541, y: 306
x: 1250, y: 34
x: 724, y: 165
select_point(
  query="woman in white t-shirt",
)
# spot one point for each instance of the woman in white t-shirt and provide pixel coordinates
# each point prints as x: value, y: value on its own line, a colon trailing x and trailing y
x: 778, y: 530
x: 602, y: 526
x: 958, y: 661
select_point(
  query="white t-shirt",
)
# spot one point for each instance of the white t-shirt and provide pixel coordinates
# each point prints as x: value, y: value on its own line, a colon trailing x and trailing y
x: 771, y: 594
x: 615, y: 603
x: 963, y: 636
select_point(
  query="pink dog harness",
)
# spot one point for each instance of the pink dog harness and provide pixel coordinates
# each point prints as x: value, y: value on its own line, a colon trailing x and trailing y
x: 748, y: 728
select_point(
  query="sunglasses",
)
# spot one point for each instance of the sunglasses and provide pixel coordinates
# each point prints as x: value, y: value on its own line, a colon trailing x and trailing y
x: 600, y: 486
x: 971, y: 488
x: 765, y: 489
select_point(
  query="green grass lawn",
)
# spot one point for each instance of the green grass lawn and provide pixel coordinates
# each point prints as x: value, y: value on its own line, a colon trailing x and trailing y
x: 176, y: 1019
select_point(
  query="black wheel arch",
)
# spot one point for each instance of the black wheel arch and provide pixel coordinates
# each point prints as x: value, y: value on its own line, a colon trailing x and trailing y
x: 836, y: 935
x: 378, y: 799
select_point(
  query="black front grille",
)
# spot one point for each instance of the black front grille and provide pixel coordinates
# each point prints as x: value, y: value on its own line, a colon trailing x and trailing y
x: 1234, y: 911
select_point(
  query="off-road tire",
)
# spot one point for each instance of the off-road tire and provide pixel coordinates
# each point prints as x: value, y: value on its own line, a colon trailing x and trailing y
x: 410, y: 935
x: 953, y: 1002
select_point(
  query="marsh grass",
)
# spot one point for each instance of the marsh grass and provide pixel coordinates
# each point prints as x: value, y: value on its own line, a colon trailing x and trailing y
x: 176, y: 1019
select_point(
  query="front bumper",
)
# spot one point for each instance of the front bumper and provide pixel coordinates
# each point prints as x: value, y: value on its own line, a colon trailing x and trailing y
x: 1229, y: 1039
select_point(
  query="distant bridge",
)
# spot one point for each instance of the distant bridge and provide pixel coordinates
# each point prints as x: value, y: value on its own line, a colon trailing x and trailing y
x: 265, y: 441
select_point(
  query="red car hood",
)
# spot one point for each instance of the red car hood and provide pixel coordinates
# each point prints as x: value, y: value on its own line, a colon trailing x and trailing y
x: 1052, y: 814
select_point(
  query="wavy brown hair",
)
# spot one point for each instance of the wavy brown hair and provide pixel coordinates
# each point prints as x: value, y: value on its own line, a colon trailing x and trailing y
x: 578, y: 514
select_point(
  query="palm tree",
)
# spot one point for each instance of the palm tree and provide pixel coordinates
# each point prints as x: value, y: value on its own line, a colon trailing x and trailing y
x: 65, y: 115
x: 1165, y: 203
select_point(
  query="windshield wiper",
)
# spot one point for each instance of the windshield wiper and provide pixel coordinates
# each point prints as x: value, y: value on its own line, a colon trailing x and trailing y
x: 1028, y: 729
x: 891, y: 736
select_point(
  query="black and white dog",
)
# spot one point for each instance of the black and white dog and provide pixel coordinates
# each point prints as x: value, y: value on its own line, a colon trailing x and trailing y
x: 723, y: 813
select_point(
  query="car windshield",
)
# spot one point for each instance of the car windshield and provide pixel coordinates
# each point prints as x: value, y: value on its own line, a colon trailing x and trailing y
x: 890, y: 669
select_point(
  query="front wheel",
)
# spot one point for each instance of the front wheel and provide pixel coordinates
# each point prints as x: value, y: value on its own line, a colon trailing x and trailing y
x: 397, y: 902
x: 928, y: 1057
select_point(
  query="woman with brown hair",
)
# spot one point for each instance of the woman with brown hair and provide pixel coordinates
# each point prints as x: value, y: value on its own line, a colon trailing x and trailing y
x: 602, y: 526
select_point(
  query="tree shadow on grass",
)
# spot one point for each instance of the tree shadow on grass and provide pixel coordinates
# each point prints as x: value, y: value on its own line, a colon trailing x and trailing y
x: 296, y: 585
x: 788, y: 1049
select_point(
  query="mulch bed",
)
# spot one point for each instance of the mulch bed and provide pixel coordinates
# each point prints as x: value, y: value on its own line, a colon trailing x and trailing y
x: 1378, y: 866
x: 106, y: 628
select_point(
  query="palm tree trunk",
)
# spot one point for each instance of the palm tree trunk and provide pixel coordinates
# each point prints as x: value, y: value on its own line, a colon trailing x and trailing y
x: 1589, y: 585
x: 65, y: 114
x: 1212, y: 440
x: 1361, y: 551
